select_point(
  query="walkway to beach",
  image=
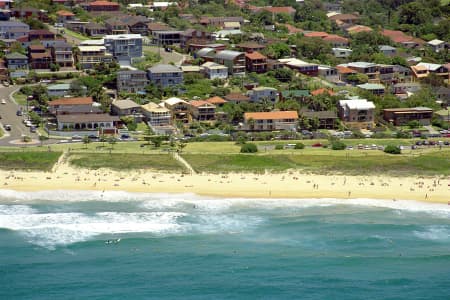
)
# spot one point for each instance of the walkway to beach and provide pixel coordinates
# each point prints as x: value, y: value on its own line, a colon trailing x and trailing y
x: 184, y: 163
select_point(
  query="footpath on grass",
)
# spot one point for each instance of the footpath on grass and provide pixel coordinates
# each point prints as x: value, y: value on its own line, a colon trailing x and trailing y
x: 184, y: 163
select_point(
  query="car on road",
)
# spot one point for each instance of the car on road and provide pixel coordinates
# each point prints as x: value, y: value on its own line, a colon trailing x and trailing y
x: 6, y: 83
x: 33, y: 128
x: 19, y: 113
x: 7, y: 127
x: 45, y: 81
x: 3, y: 101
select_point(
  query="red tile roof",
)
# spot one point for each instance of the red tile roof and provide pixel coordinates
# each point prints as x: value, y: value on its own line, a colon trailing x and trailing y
x: 272, y: 115
x: 103, y: 3
x: 323, y: 91
x: 216, y: 100
x: 345, y: 70
x: 71, y: 101
x: 335, y: 38
x: 255, y: 55
x: 358, y: 28
x: 319, y: 34
x: 280, y: 9
x: 343, y: 17
x: 64, y: 13
x: 199, y: 103
x: 236, y: 97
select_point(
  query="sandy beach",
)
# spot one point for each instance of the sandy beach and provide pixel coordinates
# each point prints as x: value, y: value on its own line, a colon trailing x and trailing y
x: 286, y: 185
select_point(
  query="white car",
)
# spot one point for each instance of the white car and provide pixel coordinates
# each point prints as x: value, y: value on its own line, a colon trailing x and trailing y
x: 3, y: 101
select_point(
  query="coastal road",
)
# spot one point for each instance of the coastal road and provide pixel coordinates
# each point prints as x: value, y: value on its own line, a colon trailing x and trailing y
x: 8, y: 114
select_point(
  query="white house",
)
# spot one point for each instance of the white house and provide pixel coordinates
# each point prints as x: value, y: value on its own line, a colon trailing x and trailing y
x: 261, y: 93
x: 213, y: 70
x: 341, y: 52
x: 437, y: 45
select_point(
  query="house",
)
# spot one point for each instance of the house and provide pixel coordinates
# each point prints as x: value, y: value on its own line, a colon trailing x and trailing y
x: 374, y: 88
x: 166, y: 37
x: 336, y: 40
x: 341, y: 52
x: 269, y: 121
x: 165, y: 75
x: 94, y: 29
x: 233, y: 60
x: 87, y: 122
x: 61, y: 89
x: 443, y: 115
x: 157, y: 115
x: 41, y: 35
x: 326, y: 119
x: 191, y: 69
x: 402, y: 74
x: 344, y: 20
x: 179, y: 109
x: 202, y: 110
x: 131, y: 81
x: 329, y: 73
x: 388, y: 50
x: 437, y: 45
x: 236, y: 98
x: 369, y: 69
x: 250, y: 47
x: 357, y: 29
x: 401, y: 116
x: 262, y: 93
x: 219, y: 21
x: 194, y: 36
x: 62, y: 16
x: 274, y: 10
x: 62, y: 54
x: 154, y: 27
x: 357, y: 113
x: 136, y: 24
x: 323, y: 91
x: 255, y: 62
x: 344, y: 72
x: 39, y: 57
x: 400, y: 37
x: 206, y: 54
x: 217, y: 101
x: 72, y: 105
x: 297, y: 95
x: 30, y: 12
x: 124, y: 47
x: 16, y: 61
x: 387, y: 74
x: 13, y: 29
x: 198, y: 46
x: 213, y: 70
x: 89, y: 56
x: 301, y: 66
x: 125, y: 107
x: 443, y: 95
x: 405, y: 89
x: 101, y: 6
x: 422, y: 70
x: 76, y: 25
x: 116, y: 26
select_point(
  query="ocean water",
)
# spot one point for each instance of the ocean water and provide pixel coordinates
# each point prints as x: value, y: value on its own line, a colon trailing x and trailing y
x: 117, y: 245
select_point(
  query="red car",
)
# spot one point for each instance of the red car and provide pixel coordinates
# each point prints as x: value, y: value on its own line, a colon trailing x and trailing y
x: 317, y: 145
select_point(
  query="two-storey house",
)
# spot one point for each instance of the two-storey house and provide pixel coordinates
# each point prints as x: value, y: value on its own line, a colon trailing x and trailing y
x: 165, y: 75
x: 357, y: 113
x: 202, y: 110
x: 131, y: 81
x: 255, y: 62
x: 233, y: 60
x: 62, y: 54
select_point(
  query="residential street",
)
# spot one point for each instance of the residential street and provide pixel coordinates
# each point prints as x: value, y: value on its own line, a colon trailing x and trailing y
x: 8, y: 114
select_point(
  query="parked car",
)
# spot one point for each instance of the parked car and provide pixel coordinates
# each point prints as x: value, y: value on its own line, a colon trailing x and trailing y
x: 32, y: 128
x: 3, y: 101
x: 317, y: 145
x: 19, y: 113
x: 7, y: 127
x: 6, y: 83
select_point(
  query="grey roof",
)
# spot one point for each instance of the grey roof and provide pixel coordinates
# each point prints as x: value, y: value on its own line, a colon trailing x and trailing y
x: 406, y: 84
x: 12, y: 23
x: 92, y: 25
x: 16, y: 55
x: 125, y: 104
x: 371, y: 86
x: 59, y: 87
x: 164, y: 68
x: 361, y: 64
x: 204, y: 51
x: 228, y: 54
x: 79, y: 109
x: 62, y: 44
x: 386, y: 48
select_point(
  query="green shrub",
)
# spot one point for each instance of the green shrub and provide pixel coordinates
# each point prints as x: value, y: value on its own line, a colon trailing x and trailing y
x: 249, y: 148
x: 279, y: 147
x: 391, y: 149
x: 299, y: 146
x: 338, y: 145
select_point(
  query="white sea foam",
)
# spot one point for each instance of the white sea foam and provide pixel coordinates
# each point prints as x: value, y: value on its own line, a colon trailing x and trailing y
x: 434, y: 233
x: 52, y: 229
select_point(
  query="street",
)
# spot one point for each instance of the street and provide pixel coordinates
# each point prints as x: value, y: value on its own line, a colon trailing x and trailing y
x: 8, y: 114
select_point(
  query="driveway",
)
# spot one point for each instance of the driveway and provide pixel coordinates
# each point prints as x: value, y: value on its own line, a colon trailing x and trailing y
x: 8, y: 114
x: 166, y: 57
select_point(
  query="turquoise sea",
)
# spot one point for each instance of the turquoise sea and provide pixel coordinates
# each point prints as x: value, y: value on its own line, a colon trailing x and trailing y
x: 117, y: 245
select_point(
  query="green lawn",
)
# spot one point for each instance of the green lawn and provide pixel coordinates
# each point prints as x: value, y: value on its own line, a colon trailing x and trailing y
x: 119, y: 161
x: 30, y: 160
x: 20, y: 98
x: 326, y: 161
x: 75, y: 34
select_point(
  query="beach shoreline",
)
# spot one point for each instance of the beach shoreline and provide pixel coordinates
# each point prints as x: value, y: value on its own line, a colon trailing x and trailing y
x: 292, y: 185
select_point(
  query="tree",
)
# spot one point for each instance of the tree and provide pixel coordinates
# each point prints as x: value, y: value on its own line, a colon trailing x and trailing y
x: 157, y: 140
x: 249, y: 148
x: 112, y: 141
x: 86, y: 141
x: 282, y: 74
x: 391, y: 149
x: 338, y: 145
x: 278, y: 50
x: 148, y: 135
x: 181, y: 146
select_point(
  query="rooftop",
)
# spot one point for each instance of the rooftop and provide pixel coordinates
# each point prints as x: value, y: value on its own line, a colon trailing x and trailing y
x: 80, y: 118
x: 174, y: 100
x: 371, y: 86
x: 237, y: 97
x: 153, y: 107
x: 71, y: 101
x: 164, y: 68
x: 200, y: 103
x: 359, y: 104
x: 255, y: 55
x: 272, y: 115
x: 125, y: 104
x: 216, y: 100
x: 228, y: 54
